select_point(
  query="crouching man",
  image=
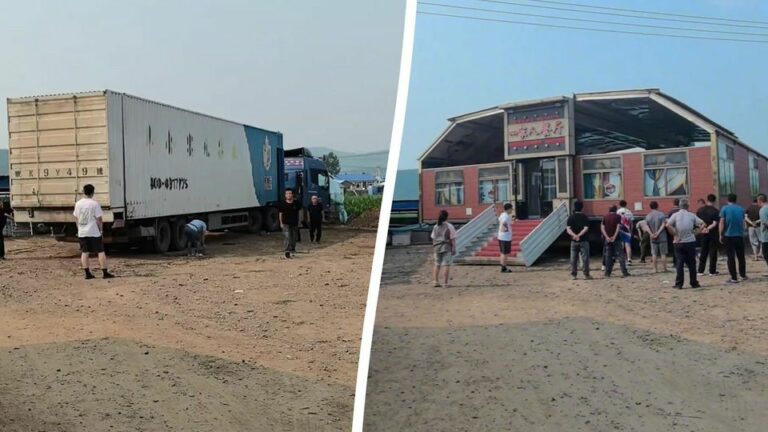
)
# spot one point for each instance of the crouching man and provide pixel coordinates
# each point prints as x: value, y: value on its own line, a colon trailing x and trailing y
x: 195, y: 232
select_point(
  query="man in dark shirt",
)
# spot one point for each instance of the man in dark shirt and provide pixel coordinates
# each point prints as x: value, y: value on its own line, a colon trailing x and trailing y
x: 289, y: 222
x: 315, y: 220
x: 614, y: 247
x: 709, y: 242
x: 577, y: 227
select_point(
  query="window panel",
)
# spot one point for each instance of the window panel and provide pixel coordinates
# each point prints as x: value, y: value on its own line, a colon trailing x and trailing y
x: 456, y: 176
x: 548, y: 180
x: 726, y: 168
x: 661, y: 182
x: 607, y: 185
x: 449, y: 194
x: 605, y: 179
x: 612, y: 185
x: 493, y: 172
x: 664, y: 159
x: 754, y: 175
x: 562, y: 175
x: 492, y: 191
x: 601, y: 164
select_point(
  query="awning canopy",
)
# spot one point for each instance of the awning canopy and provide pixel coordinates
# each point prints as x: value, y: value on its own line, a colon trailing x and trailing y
x: 614, y: 121
x: 471, y: 139
x: 605, y: 122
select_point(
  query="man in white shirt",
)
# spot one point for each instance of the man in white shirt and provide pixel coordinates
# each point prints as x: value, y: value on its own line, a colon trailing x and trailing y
x: 505, y: 236
x: 90, y: 227
x: 684, y: 226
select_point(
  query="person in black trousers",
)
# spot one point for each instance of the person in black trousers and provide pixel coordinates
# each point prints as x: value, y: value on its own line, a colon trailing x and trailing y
x: 315, y: 220
x: 683, y: 225
x: 670, y: 237
x: 289, y: 222
x: 710, y: 241
x: 732, y: 236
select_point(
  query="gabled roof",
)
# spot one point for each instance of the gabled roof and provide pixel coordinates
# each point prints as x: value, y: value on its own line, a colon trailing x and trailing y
x: 668, y: 102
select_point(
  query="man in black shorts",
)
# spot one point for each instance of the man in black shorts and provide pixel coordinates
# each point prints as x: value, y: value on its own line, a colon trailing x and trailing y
x: 89, y: 230
x: 504, y: 236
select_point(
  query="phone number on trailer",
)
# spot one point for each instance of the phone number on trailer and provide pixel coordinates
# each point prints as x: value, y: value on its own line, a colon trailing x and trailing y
x: 170, y: 183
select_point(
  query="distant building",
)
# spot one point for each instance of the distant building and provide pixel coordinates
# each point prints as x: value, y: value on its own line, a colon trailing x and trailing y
x: 358, y: 182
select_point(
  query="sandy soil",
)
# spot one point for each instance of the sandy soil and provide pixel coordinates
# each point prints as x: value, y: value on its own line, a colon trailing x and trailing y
x: 535, y: 351
x: 239, y: 340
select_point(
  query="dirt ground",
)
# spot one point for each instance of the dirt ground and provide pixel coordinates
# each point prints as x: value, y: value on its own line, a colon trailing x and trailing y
x: 240, y: 340
x: 535, y: 351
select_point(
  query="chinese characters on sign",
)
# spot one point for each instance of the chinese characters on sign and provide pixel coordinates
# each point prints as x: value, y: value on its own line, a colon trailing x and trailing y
x: 540, y: 130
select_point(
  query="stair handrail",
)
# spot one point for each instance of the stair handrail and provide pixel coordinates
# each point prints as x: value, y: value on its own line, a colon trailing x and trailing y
x: 555, y: 215
x: 469, y: 231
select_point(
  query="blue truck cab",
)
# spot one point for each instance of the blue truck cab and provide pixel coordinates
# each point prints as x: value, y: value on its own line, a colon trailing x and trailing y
x: 307, y: 176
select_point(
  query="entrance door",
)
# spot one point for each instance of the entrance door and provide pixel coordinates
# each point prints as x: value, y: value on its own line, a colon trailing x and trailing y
x: 534, y: 191
x: 541, y: 179
x: 548, y: 186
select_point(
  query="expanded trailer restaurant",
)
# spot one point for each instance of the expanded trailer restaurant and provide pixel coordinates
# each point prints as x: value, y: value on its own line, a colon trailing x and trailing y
x: 636, y: 145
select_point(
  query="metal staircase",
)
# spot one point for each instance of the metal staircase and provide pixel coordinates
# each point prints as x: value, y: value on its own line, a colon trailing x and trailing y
x: 530, y: 238
x: 478, y: 229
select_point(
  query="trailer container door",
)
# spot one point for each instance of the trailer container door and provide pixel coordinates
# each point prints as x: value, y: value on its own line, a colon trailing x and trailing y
x: 57, y: 145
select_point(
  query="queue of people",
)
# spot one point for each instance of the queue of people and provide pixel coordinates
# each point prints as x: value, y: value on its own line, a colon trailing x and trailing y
x: 694, y: 239
x: 690, y: 236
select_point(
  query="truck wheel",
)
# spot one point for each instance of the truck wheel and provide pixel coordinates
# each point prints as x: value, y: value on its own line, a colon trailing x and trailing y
x: 271, y: 219
x: 255, y: 221
x: 178, y: 239
x: 162, y: 240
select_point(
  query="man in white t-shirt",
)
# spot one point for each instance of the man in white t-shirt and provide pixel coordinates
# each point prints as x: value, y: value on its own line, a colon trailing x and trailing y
x: 89, y: 230
x: 505, y: 236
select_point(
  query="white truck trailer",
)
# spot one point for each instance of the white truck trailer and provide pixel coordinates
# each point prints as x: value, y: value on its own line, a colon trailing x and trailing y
x: 153, y: 166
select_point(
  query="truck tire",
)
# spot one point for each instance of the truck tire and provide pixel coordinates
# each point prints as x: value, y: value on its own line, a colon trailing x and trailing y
x: 271, y: 219
x: 162, y: 241
x: 178, y: 239
x: 255, y: 221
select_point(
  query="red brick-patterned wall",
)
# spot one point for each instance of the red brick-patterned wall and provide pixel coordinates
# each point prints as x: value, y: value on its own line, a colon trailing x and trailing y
x: 430, y: 211
x: 763, y: 174
x: 699, y: 179
x: 741, y: 168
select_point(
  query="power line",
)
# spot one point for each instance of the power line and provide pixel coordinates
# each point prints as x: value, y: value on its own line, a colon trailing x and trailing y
x: 593, y: 21
x: 592, y: 29
x: 622, y: 15
x: 649, y: 12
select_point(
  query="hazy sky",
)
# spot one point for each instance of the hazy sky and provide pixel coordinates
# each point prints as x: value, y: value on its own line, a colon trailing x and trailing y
x: 323, y: 73
x: 461, y: 66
